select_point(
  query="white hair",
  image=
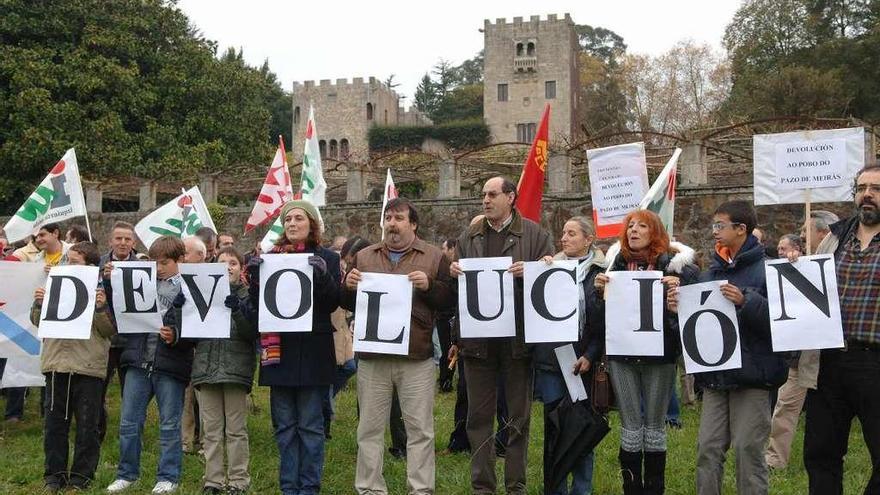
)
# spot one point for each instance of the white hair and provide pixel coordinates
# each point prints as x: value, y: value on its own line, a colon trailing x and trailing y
x: 197, y: 243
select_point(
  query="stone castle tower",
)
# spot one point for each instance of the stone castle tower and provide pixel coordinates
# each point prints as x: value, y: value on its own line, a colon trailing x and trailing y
x: 527, y: 64
x: 344, y: 113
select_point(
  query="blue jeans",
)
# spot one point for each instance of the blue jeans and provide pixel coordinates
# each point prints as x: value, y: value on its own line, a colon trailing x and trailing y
x: 550, y: 389
x: 140, y: 387
x: 673, y: 412
x: 299, y: 432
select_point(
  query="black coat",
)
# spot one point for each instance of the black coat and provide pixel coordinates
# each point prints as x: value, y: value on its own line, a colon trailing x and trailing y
x: 761, y: 368
x: 308, y: 358
x: 173, y: 359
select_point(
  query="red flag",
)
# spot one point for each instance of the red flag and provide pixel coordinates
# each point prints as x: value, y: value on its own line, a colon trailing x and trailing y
x: 531, y: 183
x: 275, y: 192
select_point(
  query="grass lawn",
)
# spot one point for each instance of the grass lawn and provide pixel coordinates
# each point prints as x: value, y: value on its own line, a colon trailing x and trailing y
x: 21, y: 462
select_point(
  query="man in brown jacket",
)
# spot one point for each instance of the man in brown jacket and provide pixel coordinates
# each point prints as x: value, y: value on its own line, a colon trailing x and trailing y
x: 402, y: 252
x: 501, y: 232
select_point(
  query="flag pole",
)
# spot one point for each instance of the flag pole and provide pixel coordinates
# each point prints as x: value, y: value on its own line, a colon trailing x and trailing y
x: 83, y: 199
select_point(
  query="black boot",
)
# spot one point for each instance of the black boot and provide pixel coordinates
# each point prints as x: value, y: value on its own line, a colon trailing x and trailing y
x: 655, y: 473
x: 631, y: 472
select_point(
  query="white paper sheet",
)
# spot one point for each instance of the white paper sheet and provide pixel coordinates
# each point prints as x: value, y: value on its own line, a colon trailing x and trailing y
x: 69, y: 304
x: 383, y: 310
x: 286, y: 303
x: 550, y: 308
x: 487, y: 311
x: 205, y: 287
x: 708, y: 328
x: 135, y: 304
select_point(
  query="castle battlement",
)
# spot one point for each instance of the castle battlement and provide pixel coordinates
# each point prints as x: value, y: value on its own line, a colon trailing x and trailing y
x: 341, y: 83
x: 533, y: 21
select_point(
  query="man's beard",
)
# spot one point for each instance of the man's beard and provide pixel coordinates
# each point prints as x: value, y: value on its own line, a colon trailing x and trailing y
x: 869, y: 217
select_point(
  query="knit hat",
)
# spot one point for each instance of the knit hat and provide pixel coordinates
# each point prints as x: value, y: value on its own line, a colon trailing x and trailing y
x: 306, y: 206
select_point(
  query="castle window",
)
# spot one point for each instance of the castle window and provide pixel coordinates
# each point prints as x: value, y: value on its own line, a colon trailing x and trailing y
x: 333, y: 149
x: 343, y: 149
x: 530, y: 49
x: 386, y: 117
x: 549, y: 90
x: 369, y: 111
x: 502, y: 92
x: 296, y: 116
x: 519, y: 49
x: 322, y: 148
x: 525, y: 133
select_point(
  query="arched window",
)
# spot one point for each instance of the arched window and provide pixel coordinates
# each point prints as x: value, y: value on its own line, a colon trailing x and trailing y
x: 369, y: 111
x: 322, y: 147
x: 333, y: 150
x: 296, y: 116
x: 519, y: 49
x: 343, y: 149
x: 530, y: 51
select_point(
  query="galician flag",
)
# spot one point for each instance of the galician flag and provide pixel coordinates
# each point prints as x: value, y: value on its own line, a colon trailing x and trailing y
x: 389, y: 193
x: 57, y: 198
x: 661, y: 196
x: 276, y: 191
x: 180, y: 217
x: 530, y: 190
x: 18, y: 336
x: 314, y: 188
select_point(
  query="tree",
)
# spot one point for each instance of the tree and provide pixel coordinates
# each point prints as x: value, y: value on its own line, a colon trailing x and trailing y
x: 603, y: 105
x: 461, y: 103
x: 471, y: 70
x: 389, y: 82
x: 426, y: 98
x: 601, y: 43
x: 131, y: 85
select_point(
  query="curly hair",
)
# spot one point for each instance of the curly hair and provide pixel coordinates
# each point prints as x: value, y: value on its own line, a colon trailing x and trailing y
x: 659, y: 239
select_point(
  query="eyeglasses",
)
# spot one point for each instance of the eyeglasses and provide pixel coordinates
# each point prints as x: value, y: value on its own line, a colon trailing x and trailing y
x: 874, y: 188
x: 722, y: 225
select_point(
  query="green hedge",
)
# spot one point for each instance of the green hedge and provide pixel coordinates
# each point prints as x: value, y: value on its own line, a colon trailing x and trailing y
x: 457, y: 135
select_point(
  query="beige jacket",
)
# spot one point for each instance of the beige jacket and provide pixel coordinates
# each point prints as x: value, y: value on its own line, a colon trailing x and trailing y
x: 808, y: 363
x: 343, y: 338
x: 81, y: 357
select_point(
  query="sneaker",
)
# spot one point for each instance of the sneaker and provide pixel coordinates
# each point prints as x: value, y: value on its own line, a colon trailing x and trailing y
x: 119, y: 486
x: 165, y: 487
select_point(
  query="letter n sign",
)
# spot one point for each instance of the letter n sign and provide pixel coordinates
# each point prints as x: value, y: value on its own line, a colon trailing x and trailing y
x: 709, y: 329
x: 804, y: 304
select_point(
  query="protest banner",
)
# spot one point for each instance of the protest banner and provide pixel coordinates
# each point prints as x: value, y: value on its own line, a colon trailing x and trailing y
x: 485, y: 298
x: 804, y: 304
x: 708, y: 327
x: 286, y: 293
x: 18, y: 336
x: 22, y: 372
x: 69, y: 303
x: 618, y: 182
x: 628, y: 332
x: 383, y: 306
x: 550, y: 293
x: 135, y: 296
x: 204, y: 314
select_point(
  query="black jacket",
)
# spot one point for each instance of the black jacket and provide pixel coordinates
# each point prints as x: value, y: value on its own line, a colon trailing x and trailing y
x: 173, y: 359
x: 679, y: 263
x: 761, y: 368
x: 308, y: 358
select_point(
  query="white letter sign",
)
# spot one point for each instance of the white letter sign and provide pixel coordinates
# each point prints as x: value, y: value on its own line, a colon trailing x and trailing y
x: 383, y: 309
x: 286, y: 293
x: 708, y: 327
x: 135, y: 305
x: 69, y: 302
x: 804, y: 304
x: 485, y: 298
x: 550, y: 301
x: 787, y: 164
x: 634, y: 314
x: 204, y: 314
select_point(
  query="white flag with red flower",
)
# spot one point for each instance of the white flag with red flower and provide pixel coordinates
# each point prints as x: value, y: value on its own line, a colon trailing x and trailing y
x: 276, y: 190
x: 661, y: 197
x: 314, y: 188
x: 57, y: 198
x: 180, y: 217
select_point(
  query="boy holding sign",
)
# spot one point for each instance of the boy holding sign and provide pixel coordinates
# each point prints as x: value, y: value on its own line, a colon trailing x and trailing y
x: 736, y: 409
x: 75, y: 370
x: 157, y: 364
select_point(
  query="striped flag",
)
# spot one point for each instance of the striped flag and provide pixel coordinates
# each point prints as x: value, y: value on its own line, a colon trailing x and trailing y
x: 661, y: 197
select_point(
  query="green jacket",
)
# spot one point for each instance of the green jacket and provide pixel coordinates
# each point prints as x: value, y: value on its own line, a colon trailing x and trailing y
x: 231, y: 360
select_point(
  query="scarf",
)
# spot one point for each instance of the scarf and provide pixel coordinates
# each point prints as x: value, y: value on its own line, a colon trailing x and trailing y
x: 583, y: 268
x: 270, y: 343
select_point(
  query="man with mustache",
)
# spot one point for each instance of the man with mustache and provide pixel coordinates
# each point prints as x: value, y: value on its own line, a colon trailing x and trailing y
x: 402, y: 253
x: 848, y: 382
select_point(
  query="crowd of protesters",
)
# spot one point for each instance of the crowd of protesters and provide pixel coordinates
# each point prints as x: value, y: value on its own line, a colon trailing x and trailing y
x: 202, y: 386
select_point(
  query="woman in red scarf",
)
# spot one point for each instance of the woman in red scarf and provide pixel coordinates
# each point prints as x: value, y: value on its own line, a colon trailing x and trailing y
x: 299, y: 367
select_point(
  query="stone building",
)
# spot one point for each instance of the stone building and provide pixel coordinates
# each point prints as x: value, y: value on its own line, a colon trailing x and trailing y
x: 344, y: 113
x: 527, y: 64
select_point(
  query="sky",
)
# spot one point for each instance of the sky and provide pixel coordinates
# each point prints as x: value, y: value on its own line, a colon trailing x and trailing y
x: 344, y: 39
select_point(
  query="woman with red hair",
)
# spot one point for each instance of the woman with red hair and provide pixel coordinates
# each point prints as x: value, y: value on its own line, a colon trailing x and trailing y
x: 643, y: 384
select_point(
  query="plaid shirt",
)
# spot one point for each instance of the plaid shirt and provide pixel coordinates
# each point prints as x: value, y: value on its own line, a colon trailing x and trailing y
x: 858, y: 282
